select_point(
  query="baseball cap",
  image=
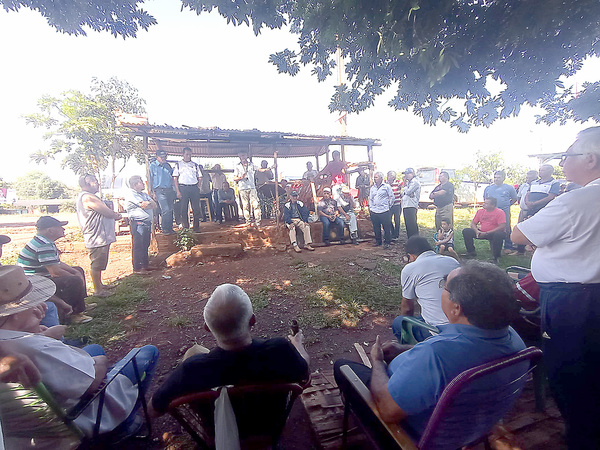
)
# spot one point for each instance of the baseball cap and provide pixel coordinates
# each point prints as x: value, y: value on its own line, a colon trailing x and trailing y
x: 409, y: 170
x: 345, y: 189
x: 294, y: 193
x: 49, y: 222
x: 327, y: 189
x: 4, y: 239
x: 161, y: 153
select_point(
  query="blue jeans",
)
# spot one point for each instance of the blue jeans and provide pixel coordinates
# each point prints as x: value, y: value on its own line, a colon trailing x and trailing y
x: 508, y: 245
x: 165, y: 198
x: 140, y: 241
x: 51, y: 317
x: 327, y: 225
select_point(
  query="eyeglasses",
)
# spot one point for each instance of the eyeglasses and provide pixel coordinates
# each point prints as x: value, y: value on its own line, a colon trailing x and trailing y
x: 442, y: 283
x: 564, y: 156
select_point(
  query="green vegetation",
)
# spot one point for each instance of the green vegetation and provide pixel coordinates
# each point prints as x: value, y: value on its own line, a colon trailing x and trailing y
x: 261, y: 297
x: 185, y: 239
x: 179, y: 321
x: 114, y: 316
x: 339, y: 297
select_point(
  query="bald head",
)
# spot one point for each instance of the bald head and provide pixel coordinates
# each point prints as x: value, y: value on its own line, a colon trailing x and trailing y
x: 228, y: 315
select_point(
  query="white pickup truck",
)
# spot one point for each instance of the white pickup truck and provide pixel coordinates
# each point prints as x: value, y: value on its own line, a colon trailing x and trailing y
x: 467, y: 193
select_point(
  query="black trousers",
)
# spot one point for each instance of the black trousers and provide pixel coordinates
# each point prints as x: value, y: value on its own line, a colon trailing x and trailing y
x: 571, y: 318
x: 72, y: 289
x: 382, y: 220
x: 494, y: 238
x: 395, y: 210
x: 189, y: 194
x: 410, y: 221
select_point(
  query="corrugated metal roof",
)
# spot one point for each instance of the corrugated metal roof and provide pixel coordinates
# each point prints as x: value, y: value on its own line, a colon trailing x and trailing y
x: 215, y: 142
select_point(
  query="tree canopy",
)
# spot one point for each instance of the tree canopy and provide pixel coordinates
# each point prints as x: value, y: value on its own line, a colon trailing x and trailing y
x: 464, y: 62
x: 83, y: 127
x: 439, y: 56
x: 118, y: 17
x: 37, y: 185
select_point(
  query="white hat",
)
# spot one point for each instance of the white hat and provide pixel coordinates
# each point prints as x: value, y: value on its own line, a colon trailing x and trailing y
x: 19, y: 292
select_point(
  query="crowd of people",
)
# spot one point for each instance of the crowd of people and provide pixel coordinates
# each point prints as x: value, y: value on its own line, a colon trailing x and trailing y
x: 470, y: 304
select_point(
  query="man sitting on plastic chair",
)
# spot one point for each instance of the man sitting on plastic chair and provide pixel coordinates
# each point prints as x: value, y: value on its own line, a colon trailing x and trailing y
x: 478, y: 301
x: 421, y: 282
x: 69, y: 373
x: 238, y: 358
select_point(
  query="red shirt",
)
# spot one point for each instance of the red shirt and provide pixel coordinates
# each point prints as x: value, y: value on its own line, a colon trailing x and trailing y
x: 489, y: 220
x: 397, y: 190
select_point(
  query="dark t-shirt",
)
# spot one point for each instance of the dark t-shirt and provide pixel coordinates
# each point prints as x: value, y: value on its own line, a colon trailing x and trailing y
x: 445, y: 199
x: 274, y: 360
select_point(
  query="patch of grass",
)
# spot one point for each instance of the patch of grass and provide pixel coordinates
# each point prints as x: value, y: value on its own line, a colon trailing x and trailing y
x: 336, y: 297
x: 462, y: 219
x: 261, y: 297
x: 389, y: 268
x: 179, y: 321
x: 113, y: 317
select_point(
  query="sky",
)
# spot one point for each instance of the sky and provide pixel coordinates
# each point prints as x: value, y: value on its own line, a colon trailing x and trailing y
x: 198, y: 71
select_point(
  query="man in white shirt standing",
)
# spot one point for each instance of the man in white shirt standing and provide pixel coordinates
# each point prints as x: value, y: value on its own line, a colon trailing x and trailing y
x: 421, y: 281
x: 410, y: 202
x: 186, y: 176
x: 381, y: 199
x: 566, y: 266
x: 244, y: 177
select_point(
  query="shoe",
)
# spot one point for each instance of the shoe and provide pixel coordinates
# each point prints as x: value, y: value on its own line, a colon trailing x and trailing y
x: 257, y: 224
x: 196, y: 230
x: 78, y: 342
x: 355, y: 241
x: 377, y: 244
x: 309, y: 247
x: 327, y: 243
x: 142, y: 271
x: 103, y: 294
x: 386, y: 246
x: 511, y: 252
x: 297, y: 249
x: 469, y: 255
x: 90, y: 306
x: 78, y: 319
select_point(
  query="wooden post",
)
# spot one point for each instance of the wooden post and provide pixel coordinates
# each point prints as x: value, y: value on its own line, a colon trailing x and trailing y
x: 317, y: 159
x: 370, y: 158
x: 343, y: 152
x: 276, y: 190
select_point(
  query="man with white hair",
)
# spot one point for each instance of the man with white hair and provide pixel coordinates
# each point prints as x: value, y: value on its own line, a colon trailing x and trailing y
x: 381, y: 199
x: 542, y: 191
x: 565, y: 264
x: 238, y: 358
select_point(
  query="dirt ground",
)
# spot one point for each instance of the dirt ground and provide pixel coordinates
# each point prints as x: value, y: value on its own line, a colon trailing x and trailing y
x: 180, y: 294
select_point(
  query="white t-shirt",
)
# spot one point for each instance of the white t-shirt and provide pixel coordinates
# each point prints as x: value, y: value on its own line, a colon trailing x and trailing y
x: 565, y: 233
x: 187, y: 172
x: 247, y: 175
x: 523, y: 190
x: 421, y: 280
x: 67, y: 372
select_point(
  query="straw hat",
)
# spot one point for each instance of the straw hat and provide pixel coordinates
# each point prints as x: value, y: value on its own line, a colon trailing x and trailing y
x: 19, y: 292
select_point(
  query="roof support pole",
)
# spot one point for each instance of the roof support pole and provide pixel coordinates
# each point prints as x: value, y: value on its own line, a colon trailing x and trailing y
x: 149, y: 190
x: 317, y: 159
x: 343, y: 152
x: 276, y: 189
x: 370, y: 158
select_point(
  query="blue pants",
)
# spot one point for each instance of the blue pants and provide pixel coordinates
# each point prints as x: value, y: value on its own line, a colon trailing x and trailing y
x: 507, y: 242
x: 140, y: 241
x: 51, y: 317
x: 327, y: 225
x: 165, y: 198
x: 380, y: 220
x: 571, y: 319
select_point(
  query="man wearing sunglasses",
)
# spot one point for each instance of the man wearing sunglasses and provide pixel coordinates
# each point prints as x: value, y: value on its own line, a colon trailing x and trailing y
x: 566, y: 265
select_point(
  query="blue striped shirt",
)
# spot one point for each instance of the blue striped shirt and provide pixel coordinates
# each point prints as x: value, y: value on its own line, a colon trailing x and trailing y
x: 37, y: 254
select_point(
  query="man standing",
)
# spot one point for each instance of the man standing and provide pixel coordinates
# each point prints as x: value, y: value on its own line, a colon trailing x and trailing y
x: 140, y: 210
x: 443, y: 199
x: 346, y: 205
x: 265, y: 195
x: 410, y: 202
x: 421, y: 282
x: 489, y: 223
x: 238, y: 357
x: 381, y: 199
x: 521, y: 195
x: 97, y: 222
x: 295, y: 216
x: 408, y: 389
x: 244, y: 177
x: 396, y: 186
x: 310, y: 173
x: 40, y: 257
x: 186, y: 176
x: 542, y: 191
x: 161, y: 187
x: 565, y: 264
x: 335, y: 169
x: 218, y: 178
x: 363, y: 184
x: 327, y: 211
x: 505, y: 196
x: 206, y: 192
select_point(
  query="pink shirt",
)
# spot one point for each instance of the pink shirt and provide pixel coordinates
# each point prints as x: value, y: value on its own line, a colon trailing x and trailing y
x: 489, y: 220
